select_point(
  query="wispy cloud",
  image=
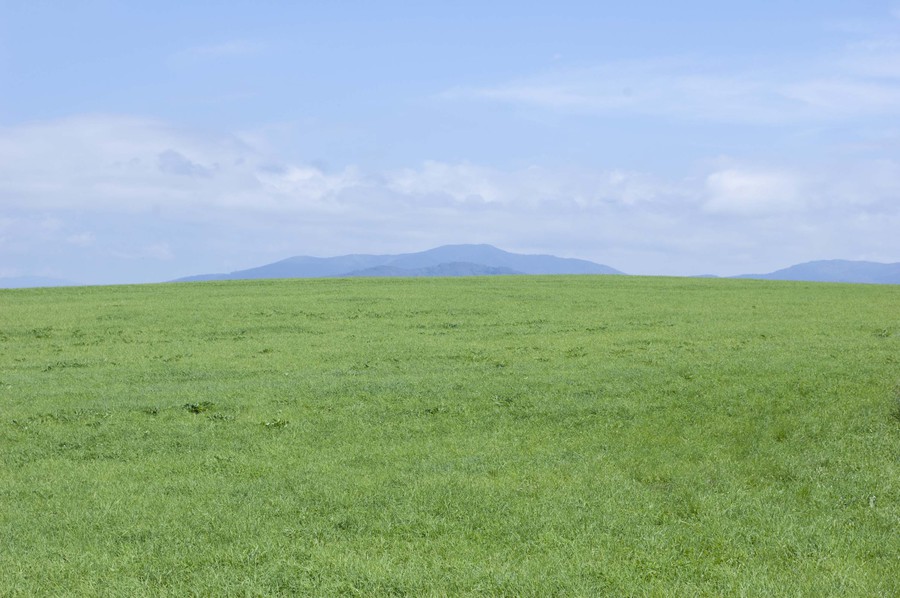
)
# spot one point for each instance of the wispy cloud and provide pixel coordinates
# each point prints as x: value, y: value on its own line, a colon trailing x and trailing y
x: 846, y: 98
x: 858, y: 80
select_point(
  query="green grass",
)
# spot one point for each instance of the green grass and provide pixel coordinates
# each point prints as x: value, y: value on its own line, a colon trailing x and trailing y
x: 521, y: 436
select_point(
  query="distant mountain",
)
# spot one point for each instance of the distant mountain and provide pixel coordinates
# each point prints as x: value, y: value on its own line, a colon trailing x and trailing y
x: 449, y: 260
x: 836, y: 271
x: 28, y: 282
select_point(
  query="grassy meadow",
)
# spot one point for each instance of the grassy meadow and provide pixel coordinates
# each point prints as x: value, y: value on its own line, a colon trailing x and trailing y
x: 519, y: 436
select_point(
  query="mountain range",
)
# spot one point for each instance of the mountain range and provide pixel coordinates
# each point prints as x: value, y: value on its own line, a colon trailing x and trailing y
x: 836, y: 271
x: 486, y: 260
x: 449, y: 260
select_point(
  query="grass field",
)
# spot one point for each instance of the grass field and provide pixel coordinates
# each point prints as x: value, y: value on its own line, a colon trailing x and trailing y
x: 521, y: 436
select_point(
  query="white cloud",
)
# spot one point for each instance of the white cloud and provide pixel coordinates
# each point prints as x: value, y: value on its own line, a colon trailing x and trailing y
x: 470, y: 184
x: 460, y: 183
x: 305, y: 186
x: 753, y: 192
x: 127, y: 164
x: 100, y: 189
x: 123, y: 164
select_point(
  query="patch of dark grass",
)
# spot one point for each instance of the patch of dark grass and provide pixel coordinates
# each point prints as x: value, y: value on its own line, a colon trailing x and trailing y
x: 895, y: 411
x: 201, y: 407
x: 63, y: 365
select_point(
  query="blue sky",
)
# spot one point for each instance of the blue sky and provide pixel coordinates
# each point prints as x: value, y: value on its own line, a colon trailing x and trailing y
x: 142, y: 142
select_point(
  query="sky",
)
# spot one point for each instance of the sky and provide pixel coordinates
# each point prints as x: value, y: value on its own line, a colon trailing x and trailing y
x: 147, y: 141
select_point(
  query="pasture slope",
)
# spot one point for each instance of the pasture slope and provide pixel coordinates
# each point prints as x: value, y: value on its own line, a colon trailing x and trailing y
x: 521, y: 436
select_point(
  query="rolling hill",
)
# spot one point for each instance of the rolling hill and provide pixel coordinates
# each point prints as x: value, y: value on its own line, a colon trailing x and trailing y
x: 836, y: 271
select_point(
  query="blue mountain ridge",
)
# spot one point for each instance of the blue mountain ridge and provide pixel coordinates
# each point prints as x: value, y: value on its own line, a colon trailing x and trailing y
x: 486, y: 260
x: 836, y: 271
x: 448, y: 260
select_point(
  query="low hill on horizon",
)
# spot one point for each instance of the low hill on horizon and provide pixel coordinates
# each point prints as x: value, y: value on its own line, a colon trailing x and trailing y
x: 836, y: 271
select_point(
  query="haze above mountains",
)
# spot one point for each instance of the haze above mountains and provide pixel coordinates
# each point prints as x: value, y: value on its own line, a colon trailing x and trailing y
x: 486, y: 260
